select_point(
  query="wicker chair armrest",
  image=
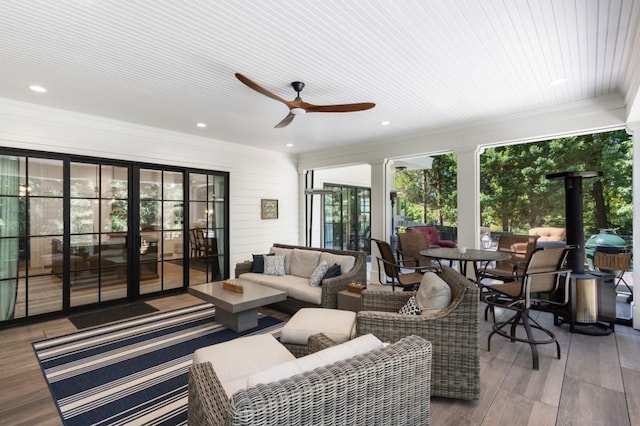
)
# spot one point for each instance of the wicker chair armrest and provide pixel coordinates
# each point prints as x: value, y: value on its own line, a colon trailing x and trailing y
x: 318, y: 342
x: 385, y: 301
x: 443, y: 329
x: 208, y: 403
x: 345, y: 389
x: 243, y: 267
x: 332, y: 286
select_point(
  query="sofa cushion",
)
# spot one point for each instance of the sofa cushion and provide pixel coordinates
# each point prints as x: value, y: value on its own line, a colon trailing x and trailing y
x: 236, y: 359
x: 318, y: 274
x: 278, y: 251
x: 434, y: 294
x: 275, y: 373
x: 304, y: 292
x: 274, y: 265
x: 337, y: 325
x: 303, y: 262
x: 278, y: 282
x: 346, y: 350
x: 333, y: 271
x: 351, y: 348
x: 548, y: 233
x: 346, y: 262
x: 258, y: 263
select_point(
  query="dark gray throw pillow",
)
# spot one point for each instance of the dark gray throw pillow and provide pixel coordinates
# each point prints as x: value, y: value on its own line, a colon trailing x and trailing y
x: 333, y: 271
x: 258, y: 263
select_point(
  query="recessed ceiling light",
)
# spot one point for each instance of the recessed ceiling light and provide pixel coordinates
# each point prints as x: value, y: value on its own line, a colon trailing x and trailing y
x: 37, y: 88
x: 201, y: 125
x: 558, y: 81
x: 385, y: 123
x: 289, y: 145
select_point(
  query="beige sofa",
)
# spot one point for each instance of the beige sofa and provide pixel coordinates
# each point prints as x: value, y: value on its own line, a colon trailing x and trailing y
x: 359, y: 382
x: 300, y: 262
x: 547, y: 233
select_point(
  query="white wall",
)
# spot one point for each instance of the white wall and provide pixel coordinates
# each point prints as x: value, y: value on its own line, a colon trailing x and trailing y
x: 359, y: 175
x: 254, y: 173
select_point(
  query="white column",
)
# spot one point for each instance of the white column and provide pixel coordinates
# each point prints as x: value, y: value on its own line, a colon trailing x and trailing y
x: 380, y: 211
x: 469, y: 197
x: 634, y: 129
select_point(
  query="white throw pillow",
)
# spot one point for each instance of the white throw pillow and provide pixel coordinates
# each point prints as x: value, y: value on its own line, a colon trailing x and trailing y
x: 274, y: 265
x: 279, y: 251
x: 316, y: 276
x: 434, y: 294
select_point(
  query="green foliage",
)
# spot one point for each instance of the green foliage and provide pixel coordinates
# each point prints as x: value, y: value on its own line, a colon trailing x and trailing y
x: 515, y: 194
x: 429, y: 196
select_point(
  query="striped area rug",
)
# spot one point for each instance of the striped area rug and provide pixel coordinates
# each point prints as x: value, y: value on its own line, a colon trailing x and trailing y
x: 133, y: 372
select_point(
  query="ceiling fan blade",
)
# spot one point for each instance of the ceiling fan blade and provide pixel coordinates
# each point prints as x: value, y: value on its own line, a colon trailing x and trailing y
x: 284, y: 123
x: 255, y: 86
x: 339, y: 108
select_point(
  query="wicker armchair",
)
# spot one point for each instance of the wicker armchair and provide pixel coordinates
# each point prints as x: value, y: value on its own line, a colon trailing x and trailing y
x: 388, y: 386
x: 452, y: 331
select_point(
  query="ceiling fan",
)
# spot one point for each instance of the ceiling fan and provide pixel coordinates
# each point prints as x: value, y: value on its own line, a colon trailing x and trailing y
x: 298, y: 106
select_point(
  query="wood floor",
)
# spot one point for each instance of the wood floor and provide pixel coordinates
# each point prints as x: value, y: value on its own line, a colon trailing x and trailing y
x: 596, y: 382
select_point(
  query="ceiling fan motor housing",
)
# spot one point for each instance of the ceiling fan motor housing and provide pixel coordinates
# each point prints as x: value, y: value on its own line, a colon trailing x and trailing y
x: 297, y: 86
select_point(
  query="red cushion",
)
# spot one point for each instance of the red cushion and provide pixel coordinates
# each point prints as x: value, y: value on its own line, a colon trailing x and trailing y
x: 432, y: 235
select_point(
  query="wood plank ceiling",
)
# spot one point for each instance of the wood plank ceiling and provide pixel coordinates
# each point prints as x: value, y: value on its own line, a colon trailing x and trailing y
x: 426, y: 64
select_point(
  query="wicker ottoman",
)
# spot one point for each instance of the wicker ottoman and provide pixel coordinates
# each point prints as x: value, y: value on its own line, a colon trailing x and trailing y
x: 337, y: 325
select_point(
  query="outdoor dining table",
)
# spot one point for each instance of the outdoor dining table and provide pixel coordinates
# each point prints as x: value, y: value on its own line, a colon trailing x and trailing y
x: 463, y: 257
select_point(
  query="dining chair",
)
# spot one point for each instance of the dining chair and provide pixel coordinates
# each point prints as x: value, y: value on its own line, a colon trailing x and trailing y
x: 396, y: 272
x: 543, y: 275
x: 519, y: 248
x: 409, y: 246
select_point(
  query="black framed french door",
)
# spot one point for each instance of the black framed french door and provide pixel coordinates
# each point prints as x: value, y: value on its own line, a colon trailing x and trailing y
x: 76, y: 232
x: 347, y: 217
x: 96, y: 252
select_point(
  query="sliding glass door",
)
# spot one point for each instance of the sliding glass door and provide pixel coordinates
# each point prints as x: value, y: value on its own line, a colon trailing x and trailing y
x: 31, y: 202
x: 347, y: 217
x: 99, y: 233
x: 78, y: 232
x: 161, y: 241
x: 207, y: 222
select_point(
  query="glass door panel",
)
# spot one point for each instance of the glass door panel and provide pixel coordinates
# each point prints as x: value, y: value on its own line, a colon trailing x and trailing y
x: 207, y: 221
x: 99, y: 257
x: 43, y: 199
x: 161, y: 230
x: 30, y: 205
x: 347, y: 218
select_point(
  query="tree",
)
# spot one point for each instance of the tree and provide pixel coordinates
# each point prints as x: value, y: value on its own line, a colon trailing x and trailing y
x: 432, y: 192
x: 515, y: 194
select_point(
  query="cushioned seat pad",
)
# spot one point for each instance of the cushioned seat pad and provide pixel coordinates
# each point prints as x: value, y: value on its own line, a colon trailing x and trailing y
x: 235, y: 360
x: 337, y: 325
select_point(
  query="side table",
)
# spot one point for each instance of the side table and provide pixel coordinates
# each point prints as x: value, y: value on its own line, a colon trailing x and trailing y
x: 349, y: 301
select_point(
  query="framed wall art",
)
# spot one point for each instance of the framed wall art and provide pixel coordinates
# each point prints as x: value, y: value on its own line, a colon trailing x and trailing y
x: 269, y: 209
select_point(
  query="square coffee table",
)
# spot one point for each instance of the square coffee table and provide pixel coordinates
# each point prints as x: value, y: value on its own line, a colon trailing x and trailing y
x: 237, y: 311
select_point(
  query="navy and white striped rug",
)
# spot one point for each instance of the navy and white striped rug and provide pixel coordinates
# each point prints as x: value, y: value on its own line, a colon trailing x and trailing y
x: 133, y: 372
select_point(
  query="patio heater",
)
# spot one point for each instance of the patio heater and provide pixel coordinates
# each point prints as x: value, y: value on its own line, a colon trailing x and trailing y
x: 592, y: 295
x: 574, y: 215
